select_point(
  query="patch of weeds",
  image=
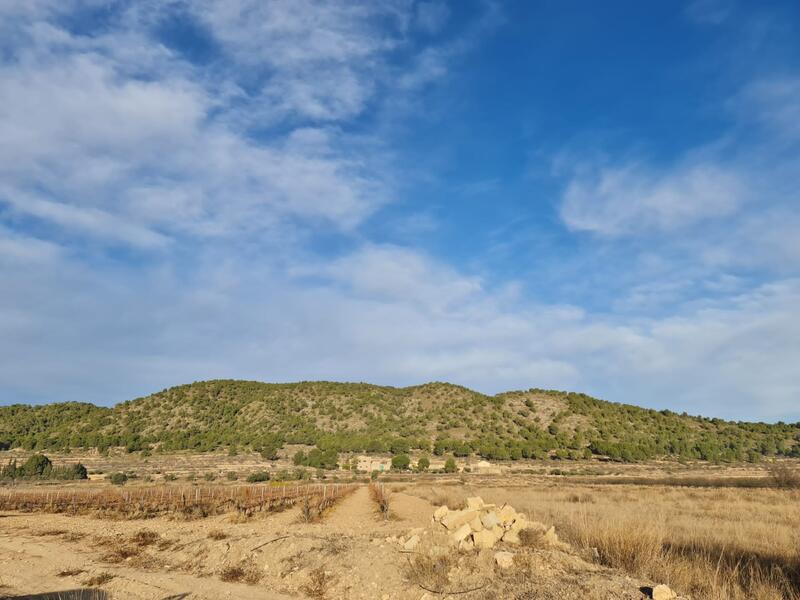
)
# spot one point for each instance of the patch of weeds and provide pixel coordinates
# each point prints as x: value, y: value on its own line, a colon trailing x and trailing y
x: 99, y: 579
x: 145, y: 537
x: 245, y: 572
x: 216, y: 534
x: 51, y: 532
x: 430, y: 572
x: 532, y: 538
x: 70, y: 572
x: 120, y: 554
x: 319, y: 581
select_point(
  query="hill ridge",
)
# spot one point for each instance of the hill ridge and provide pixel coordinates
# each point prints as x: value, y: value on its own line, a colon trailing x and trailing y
x: 437, y: 417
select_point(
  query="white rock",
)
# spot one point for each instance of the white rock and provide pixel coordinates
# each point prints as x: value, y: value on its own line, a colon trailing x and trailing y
x: 484, y: 539
x: 440, y: 512
x: 476, y: 524
x: 662, y: 592
x: 511, y: 537
x: 474, y: 503
x: 455, y: 519
x: 498, y: 532
x: 507, y: 515
x: 490, y: 519
x: 504, y: 560
x: 461, y: 533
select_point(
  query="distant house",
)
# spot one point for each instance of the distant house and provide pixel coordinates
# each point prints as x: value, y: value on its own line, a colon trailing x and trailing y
x: 372, y: 463
x: 484, y: 467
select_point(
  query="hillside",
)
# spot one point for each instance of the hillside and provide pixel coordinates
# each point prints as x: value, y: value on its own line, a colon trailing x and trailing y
x: 435, y: 417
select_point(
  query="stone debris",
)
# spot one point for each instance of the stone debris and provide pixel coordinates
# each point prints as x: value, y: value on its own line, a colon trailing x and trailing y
x: 479, y: 526
x: 662, y: 592
x: 504, y: 560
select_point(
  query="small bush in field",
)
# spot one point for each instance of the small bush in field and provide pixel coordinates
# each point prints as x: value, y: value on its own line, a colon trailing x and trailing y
x: 258, y: 477
x: 231, y: 476
x: 118, y: 478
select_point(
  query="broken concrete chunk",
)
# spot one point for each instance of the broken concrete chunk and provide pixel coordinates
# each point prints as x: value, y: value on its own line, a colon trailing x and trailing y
x: 490, y: 519
x: 461, y: 533
x: 504, y: 560
x: 476, y: 524
x: 466, y: 544
x: 484, y: 539
x: 455, y: 519
x: 474, y: 503
x: 511, y: 537
x: 507, y: 515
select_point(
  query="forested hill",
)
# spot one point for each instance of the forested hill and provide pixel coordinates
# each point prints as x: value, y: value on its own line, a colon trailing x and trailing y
x: 435, y: 417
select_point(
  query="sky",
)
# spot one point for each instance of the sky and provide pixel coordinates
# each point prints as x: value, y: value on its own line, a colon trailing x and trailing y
x: 597, y: 197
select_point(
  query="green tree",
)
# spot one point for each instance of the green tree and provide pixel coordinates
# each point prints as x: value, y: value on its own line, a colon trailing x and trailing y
x: 423, y: 464
x: 450, y: 465
x: 38, y: 466
x: 400, y: 462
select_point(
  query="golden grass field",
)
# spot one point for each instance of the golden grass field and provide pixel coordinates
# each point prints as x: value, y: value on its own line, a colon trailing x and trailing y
x: 709, y: 543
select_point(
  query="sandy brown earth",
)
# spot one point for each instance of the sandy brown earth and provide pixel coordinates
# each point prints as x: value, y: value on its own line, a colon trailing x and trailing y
x: 344, y: 555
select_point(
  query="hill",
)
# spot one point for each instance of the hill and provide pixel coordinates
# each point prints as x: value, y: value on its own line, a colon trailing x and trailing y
x: 356, y: 417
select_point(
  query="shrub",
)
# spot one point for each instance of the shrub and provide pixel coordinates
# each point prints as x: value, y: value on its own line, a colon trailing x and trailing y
x: 423, y: 464
x: 400, y: 462
x: 37, y: 465
x: 209, y: 476
x: 258, y: 477
x: 118, y: 478
x: 231, y: 476
x: 450, y: 465
x: 783, y: 476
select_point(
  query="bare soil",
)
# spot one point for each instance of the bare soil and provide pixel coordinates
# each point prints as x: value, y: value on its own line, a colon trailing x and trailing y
x: 345, y: 554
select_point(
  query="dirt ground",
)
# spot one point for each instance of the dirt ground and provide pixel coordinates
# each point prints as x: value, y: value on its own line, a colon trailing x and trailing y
x: 347, y: 554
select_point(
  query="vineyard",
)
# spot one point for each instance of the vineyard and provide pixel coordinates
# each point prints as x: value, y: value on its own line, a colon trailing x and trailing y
x: 188, y: 502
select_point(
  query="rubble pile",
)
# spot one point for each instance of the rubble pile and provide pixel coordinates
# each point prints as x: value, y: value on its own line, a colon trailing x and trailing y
x: 479, y: 526
x: 482, y: 525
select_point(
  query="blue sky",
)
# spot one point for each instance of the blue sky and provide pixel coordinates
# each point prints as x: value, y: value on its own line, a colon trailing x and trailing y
x: 601, y: 197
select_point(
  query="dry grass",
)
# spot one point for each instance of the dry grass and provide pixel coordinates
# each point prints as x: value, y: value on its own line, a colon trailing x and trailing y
x: 99, y: 579
x: 380, y: 496
x: 145, y: 537
x: 120, y: 554
x: 712, y: 544
x: 430, y: 572
x: 70, y: 572
x: 216, y: 534
x: 319, y: 581
x: 784, y: 476
x: 244, y: 572
x: 452, y: 499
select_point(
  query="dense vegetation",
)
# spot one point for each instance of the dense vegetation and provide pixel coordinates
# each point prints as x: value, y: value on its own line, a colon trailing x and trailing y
x: 39, y: 466
x: 437, y: 417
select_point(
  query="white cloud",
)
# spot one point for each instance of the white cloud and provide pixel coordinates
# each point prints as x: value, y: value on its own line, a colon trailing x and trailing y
x: 773, y: 103
x: 391, y: 316
x: 432, y: 16
x: 635, y: 199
